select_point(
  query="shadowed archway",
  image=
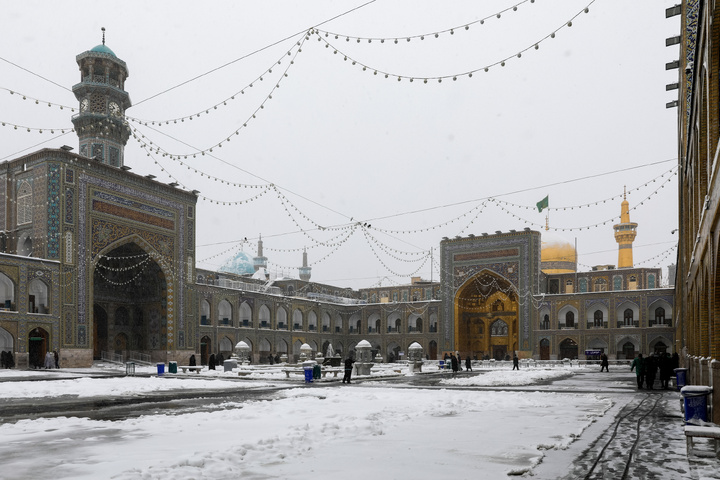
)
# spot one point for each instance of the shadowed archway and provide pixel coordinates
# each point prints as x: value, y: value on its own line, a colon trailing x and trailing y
x: 130, y: 303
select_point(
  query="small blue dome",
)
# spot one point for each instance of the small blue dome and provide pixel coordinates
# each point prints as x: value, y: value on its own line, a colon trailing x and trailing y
x: 240, y: 264
x: 103, y: 49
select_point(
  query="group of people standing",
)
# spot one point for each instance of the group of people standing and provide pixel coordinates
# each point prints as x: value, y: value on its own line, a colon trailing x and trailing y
x: 456, y: 362
x: 7, y: 360
x: 646, y: 369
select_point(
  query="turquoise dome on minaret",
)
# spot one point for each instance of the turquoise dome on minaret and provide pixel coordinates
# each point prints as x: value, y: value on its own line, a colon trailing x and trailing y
x: 103, y: 49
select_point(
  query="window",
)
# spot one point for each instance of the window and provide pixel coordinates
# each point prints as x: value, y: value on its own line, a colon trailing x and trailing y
x: 617, y: 282
x: 582, y: 284
x: 628, y: 317
x: 598, y: 318
x: 651, y: 281
x: 24, y: 204
x: 569, y: 286
x: 498, y: 329
x: 570, y: 320
x: 545, y: 324
x: 659, y: 316
x: 600, y: 285
x: 498, y: 306
x: 554, y: 285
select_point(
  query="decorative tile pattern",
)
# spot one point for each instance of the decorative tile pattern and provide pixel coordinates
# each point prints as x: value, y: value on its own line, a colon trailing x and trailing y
x: 69, y: 175
x: 53, y: 211
x: 69, y: 205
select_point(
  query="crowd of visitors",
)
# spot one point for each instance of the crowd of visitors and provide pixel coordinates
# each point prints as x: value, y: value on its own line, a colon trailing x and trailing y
x: 7, y: 360
x: 647, y: 369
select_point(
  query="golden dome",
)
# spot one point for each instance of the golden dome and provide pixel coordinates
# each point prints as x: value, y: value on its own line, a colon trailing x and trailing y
x: 557, y: 255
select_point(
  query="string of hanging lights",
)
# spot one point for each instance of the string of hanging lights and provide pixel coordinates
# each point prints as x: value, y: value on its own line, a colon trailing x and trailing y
x: 139, y: 137
x: 670, y: 173
x: 500, y: 204
x: 37, y: 101
x: 223, y: 103
x: 439, y: 78
x: 423, y: 36
x: 252, y: 116
x: 392, y: 252
x: 382, y: 262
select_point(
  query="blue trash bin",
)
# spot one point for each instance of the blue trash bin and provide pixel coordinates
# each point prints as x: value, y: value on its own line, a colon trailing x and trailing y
x: 441, y: 364
x: 161, y: 368
x: 308, y: 374
x: 680, y: 376
x: 695, y: 402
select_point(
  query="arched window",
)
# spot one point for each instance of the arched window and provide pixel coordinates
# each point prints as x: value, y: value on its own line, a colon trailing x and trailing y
x: 7, y: 292
x: 245, y: 315
x: 325, y: 322
x: 204, y: 312
x: 297, y: 320
x: 628, y: 317
x: 24, y: 204
x: 660, y: 316
x: 38, y: 297
x: 570, y: 320
x: 598, y: 318
x: 224, y: 313
x: 617, y: 282
x: 498, y: 306
x: 398, y: 324
x: 600, y: 285
x: 582, y: 284
x: 312, y: 321
x: 281, y: 319
x: 498, y: 329
x: 651, y: 281
x: 545, y: 324
x: 264, y: 317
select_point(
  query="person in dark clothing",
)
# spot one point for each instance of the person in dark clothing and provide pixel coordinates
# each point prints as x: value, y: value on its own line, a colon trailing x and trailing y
x: 675, y: 360
x: 192, y: 360
x: 57, y: 359
x: 277, y: 358
x: 665, y: 370
x: 348, y: 369
x: 9, y: 360
x: 211, y: 362
x: 459, y: 362
x: 516, y: 362
x: 639, y: 366
x: 650, y: 371
x: 271, y: 360
x: 604, y: 363
x: 468, y: 364
x: 454, y: 364
x: 220, y: 359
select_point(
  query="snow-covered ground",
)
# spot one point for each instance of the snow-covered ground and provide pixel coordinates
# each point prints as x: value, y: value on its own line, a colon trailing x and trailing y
x: 322, y: 430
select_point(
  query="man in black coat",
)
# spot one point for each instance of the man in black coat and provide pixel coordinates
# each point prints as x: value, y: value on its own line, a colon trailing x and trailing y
x: 348, y: 369
x: 454, y: 363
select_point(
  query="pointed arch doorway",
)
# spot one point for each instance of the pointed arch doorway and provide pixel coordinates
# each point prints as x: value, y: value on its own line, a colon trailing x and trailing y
x: 129, y: 302
x: 486, y: 317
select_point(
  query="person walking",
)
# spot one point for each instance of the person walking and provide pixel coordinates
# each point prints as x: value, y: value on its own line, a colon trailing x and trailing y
x: 665, y: 370
x: 650, y: 371
x: 459, y: 362
x: 211, y: 362
x: 639, y: 366
x: 348, y: 369
x: 468, y: 364
x: 56, y: 357
x: 454, y: 364
x: 516, y: 362
x: 604, y: 362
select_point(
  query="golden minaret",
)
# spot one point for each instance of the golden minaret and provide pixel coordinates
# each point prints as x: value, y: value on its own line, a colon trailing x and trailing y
x: 625, y: 233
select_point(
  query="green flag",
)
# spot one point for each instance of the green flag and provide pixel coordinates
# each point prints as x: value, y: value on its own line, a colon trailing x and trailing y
x: 542, y: 204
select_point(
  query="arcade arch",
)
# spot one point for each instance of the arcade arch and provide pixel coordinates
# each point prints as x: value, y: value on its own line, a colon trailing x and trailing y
x: 486, y: 317
x: 129, y: 293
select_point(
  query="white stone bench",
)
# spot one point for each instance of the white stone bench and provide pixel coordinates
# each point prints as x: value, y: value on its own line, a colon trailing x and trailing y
x: 693, y: 431
x: 185, y: 368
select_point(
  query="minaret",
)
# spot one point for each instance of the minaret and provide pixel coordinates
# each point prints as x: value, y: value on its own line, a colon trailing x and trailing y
x: 260, y: 261
x: 100, y: 125
x: 625, y: 233
x: 305, y: 270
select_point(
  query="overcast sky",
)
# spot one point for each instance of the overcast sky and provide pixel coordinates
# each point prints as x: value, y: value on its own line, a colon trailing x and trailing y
x: 577, y: 119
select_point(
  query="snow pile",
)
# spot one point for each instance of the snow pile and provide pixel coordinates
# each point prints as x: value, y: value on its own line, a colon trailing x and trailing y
x: 308, y: 433
x: 91, y: 387
x: 497, y: 378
